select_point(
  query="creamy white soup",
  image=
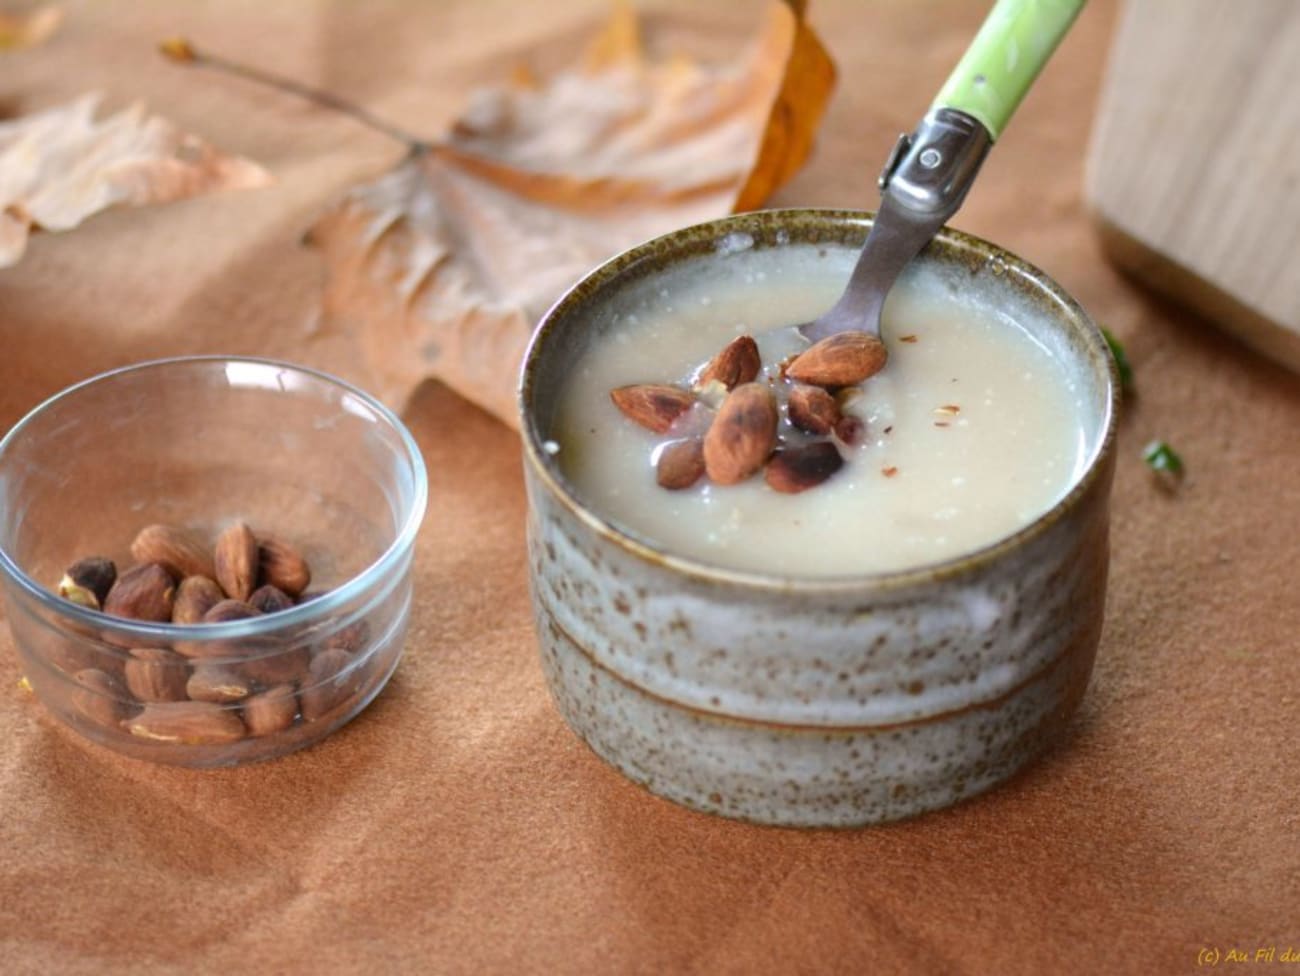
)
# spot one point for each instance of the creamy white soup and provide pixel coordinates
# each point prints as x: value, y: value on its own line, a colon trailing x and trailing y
x: 972, y: 430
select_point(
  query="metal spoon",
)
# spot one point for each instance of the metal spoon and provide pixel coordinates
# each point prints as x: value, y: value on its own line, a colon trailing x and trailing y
x: 928, y: 173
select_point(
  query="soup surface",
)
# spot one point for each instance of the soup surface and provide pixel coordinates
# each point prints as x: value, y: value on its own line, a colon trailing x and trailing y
x: 972, y: 429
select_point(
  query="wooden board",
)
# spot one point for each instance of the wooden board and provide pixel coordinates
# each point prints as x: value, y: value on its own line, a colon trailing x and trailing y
x: 1193, y: 175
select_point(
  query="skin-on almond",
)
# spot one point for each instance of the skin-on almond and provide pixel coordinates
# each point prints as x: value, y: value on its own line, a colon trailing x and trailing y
x: 194, y: 598
x: 839, y: 360
x: 270, y: 711
x: 796, y: 469
x: 76, y: 654
x: 236, y: 561
x: 738, y: 363
x: 850, y: 430
x: 156, y: 675
x: 142, y: 593
x: 214, y: 682
x: 100, y: 697
x: 282, y: 566
x: 190, y: 723
x: 352, y: 638
x: 812, y: 409
x: 180, y: 551
x: 220, y: 613
x: 269, y: 599
x: 680, y: 464
x: 742, y: 435
x: 277, y: 668
x: 228, y: 610
x: 652, y: 405
x: 327, y: 686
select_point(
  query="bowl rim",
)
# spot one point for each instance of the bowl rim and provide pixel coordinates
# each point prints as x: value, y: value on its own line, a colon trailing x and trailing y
x: 370, y: 577
x: 674, y: 246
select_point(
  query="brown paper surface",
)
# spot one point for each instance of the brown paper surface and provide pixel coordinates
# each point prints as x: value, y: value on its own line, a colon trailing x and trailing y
x: 457, y: 826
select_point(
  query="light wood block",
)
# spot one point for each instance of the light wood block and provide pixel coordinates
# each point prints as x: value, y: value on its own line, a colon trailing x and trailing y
x: 1193, y: 175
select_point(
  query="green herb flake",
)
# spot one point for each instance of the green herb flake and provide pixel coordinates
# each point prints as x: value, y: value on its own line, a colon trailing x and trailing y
x: 1121, y: 360
x: 1159, y: 456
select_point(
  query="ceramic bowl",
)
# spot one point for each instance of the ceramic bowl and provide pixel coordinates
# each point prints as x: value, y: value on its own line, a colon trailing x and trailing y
x: 817, y: 702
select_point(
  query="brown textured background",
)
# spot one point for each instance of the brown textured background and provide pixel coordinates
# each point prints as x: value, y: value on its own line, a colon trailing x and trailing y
x: 457, y: 826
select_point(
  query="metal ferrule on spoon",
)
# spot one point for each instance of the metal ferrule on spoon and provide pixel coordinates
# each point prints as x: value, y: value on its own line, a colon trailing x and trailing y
x: 928, y: 173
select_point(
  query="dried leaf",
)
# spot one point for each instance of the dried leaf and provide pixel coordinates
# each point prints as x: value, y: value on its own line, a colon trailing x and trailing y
x: 445, y: 264
x: 60, y: 166
x: 18, y: 31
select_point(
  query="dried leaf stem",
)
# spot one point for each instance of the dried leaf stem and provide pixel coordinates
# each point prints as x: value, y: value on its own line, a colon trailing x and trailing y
x: 182, y: 51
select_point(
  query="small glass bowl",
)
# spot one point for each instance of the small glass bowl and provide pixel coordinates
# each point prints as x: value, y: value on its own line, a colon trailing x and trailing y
x: 201, y: 442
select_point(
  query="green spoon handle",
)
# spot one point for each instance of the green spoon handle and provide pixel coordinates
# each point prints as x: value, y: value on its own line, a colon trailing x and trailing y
x: 1017, y: 38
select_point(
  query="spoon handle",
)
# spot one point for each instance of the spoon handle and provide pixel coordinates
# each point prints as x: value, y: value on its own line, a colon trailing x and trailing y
x: 1014, y: 43
x: 927, y: 175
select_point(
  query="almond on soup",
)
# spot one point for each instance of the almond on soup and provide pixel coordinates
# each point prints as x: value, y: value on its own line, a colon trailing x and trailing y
x: 971, y: 430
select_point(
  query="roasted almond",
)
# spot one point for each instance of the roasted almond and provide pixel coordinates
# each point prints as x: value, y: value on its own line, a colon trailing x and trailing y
x: 278, y: 667
x: 236, y: 561
x: 271, y: 711
x: 142, y: 593
x: 328, y: 684
x: 179, y: 551
x: 738, y: 363
x: 156, y: 675
x: 282, y: 566
x: 228, y: 610
x: 87, y: 581
x: 812, y: 409
x: 742, y: 435
x: 796, y: 469
x: 680, y: 464
x: 81, y: 651
x: 839, y: 360
x: 215, y: 682
x: 189, y: 723
x: 352, y: 638
x: 220, y: 613
x: 269, y: 599
x: 652, y: 405
x: 850, y: 430
x: 100, y: 697
x: 194, y: 598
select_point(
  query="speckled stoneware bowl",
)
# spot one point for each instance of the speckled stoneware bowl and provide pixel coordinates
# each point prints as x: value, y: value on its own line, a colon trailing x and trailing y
x: 817, y: 702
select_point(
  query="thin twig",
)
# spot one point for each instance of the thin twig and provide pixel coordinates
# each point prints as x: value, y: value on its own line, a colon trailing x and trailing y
x: 183, y: 52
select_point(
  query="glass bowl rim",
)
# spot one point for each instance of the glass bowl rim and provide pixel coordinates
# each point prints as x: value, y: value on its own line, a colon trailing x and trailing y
x: 268, y: 624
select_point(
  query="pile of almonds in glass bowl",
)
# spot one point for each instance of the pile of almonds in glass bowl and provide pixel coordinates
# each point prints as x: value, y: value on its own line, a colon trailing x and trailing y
x: 273, y: 603
x: 197, y: 689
